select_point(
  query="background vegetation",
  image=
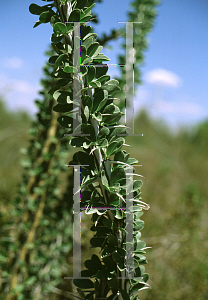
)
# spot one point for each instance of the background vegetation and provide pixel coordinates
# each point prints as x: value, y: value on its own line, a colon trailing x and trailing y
x: 175, y: 168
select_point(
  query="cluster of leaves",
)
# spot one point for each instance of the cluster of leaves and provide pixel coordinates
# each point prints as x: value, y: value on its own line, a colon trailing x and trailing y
x: 37, y: 236
x: 143, y: 11
x: 104, y: 180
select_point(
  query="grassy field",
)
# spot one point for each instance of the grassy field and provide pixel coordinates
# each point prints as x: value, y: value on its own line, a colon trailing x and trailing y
x: 175, y: 170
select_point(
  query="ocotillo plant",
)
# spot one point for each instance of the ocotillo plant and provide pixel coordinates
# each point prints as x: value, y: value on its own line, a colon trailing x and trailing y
x: 107, y: 171
x: 36, y: 239
x: 33, y: 284
x: 28, y: 284
x: 143, y: 11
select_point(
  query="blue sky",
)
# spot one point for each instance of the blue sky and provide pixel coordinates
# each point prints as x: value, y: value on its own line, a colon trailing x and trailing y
x: 174, y: 74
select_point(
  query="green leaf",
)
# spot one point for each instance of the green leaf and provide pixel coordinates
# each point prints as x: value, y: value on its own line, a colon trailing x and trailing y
x: 113, y: 283
x: 86, y: 19
x: 36, y: 9
x: 137, y: 287
x: 121, y: 267
x: 138, y: 214
x: 138, y: 235
x: 119, y: 214
x: 53, y: 59
x: 145, y: 277
x: 138, y: 272
x: 100, y: 57
x: 90, y: 74
x: 108, y: 251
x: 101, y: 274
x: 36, y: 24
x: 104, y: 180
x: 110, y: 224
x: 139, y: 257
x: 101, y: 71
x: 78, y: 141
x: 103, y: 133
x: 115, y: 147
x: 61, y: 58
x: 89, y: 129
x: 109, y: 263
x: 139, y: 245
x: 111, y: 85
x: 65, y: 121
x: 56, y: 39
x: 113, y: 119
x: 58, y: 47
x: 138, y: 225
x: 112, y: 240
x: 121, y: 156
x: 83, y: 70
x: 94, y: 49
x: 117, y: 175
x: 88, y: 42
x: 136, y: 209
x: 95, y: 84
x: 132, y: 161
x: 45, y: 16
x: 116, y: 131
x: 124, y: 294
x: 137, y: 184
x: 85, y: 12
x: 83, y: 54
x: 69, y: 69
x: 103, y: 78
x: 95, y: 196
x: 90, y: 34
x: 59, y: 27
x: 90, y: 211
x: 75, y: 15
x: 102, y: 143
x: 109, y: 109
x: 54, y: 19
x: 99, y: 100
x: 63, y: 107
x: 121, y: 252
x: 81, y: 4
x: 87, y: 101
x: 60, y: 74
x: 87, y: 61
x: 85, y: 30
x: 83, y: 283
x: 93, y: 264
x: 96, y: 242
x: 83, y: 158
x: 63, y: 97
x: 87, y: 273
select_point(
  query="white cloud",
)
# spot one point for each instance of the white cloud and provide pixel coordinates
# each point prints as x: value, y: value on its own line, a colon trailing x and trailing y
x: 14, y: 62
x: 182, y: 108
x: 22, y: 86
x: 163, y: 77
x: 8, y: 85
x: 19, y: 94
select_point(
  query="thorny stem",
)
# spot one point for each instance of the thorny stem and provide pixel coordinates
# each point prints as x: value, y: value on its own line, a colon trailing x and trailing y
x: 64, y: 11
